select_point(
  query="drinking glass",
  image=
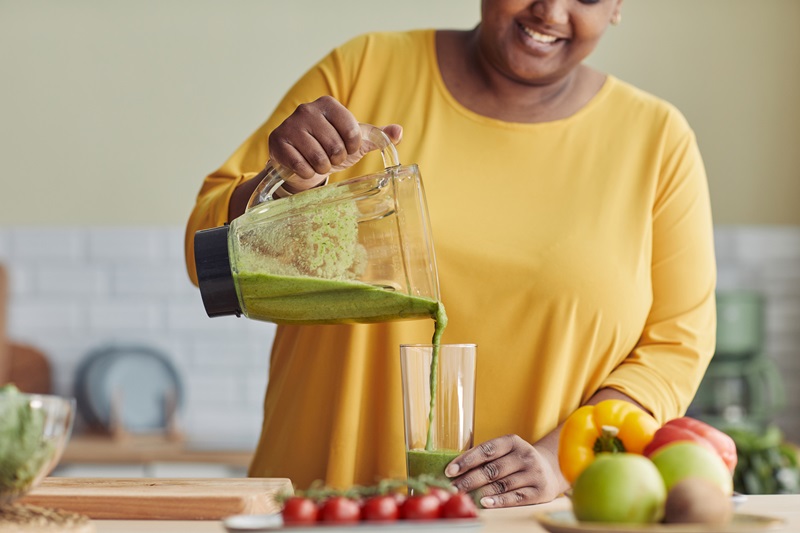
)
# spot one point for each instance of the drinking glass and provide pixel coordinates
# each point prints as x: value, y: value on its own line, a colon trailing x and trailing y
x: 437, y: 431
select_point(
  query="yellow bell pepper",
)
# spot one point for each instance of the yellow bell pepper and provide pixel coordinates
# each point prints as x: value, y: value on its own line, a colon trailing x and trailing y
x: 610, y: 426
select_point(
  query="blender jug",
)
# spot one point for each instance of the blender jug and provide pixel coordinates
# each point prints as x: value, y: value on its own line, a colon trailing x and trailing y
x: 359, y: 250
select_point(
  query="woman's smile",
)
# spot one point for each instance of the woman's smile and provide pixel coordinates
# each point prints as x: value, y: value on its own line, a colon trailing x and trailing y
x: 538, y: 37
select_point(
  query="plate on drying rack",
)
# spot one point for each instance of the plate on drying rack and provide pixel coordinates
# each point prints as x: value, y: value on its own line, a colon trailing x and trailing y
x: 130, y: 388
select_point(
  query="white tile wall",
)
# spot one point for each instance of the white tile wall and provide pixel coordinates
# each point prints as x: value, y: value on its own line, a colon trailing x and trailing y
x: 76, y: 289
x: 767, y: 259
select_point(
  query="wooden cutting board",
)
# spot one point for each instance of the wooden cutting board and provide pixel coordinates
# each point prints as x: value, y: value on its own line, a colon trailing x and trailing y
x: 160, y: 498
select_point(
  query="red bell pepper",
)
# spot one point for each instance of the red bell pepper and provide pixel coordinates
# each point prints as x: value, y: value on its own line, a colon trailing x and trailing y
x: 691, y: 429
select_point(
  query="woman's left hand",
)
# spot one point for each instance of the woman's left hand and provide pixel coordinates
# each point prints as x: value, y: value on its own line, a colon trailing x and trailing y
x: 508, y: 471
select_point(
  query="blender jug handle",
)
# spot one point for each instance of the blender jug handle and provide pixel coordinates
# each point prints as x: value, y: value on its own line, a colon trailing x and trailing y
x: 276, y: 174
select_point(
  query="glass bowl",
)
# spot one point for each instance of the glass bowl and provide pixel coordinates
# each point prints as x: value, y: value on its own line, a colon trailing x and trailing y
x: 34, y: 430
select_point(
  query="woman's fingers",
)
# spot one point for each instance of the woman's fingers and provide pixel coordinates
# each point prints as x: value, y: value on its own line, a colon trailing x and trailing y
x: 504, y: 485
x: 316, y: 137
x: 310, y: 156
x: 506, y: 471
x: 481, y: 454
x: 348, y: 132
x: 394, y: 132
x: 506, y: 482
x: 519, y: 496
x: 489, y: 463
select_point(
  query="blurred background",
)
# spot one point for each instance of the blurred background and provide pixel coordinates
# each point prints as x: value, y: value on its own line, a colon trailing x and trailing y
x: 113, y: 112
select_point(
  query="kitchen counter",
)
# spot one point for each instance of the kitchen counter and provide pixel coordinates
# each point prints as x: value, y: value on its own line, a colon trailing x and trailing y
x: 142, y: 449
x: 786, y: 507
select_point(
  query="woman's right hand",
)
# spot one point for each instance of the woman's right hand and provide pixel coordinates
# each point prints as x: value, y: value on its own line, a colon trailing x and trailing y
x: 320, y: 137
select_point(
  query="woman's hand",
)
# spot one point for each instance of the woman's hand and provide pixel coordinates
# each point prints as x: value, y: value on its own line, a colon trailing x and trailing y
x: 320, y: 137
x: 509, y: 471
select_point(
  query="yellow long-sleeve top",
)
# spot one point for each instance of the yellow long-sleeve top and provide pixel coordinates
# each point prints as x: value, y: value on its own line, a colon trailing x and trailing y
x: 576, y: 253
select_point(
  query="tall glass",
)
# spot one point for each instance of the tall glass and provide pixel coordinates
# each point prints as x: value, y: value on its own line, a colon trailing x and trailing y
x: 439, y: 426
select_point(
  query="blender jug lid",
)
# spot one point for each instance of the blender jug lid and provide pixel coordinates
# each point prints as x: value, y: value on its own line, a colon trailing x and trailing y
x: 214, y: 274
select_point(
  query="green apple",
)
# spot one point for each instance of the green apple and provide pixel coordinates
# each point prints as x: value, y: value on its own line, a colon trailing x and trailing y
x: 619, y: 487
x: 683, y: 459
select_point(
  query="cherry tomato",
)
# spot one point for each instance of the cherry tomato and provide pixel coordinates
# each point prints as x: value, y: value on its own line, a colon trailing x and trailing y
x: 421, y: 507
x: 399, y: 498
x: 441, y: 493
x: 299, y: 510
x: 380, y: 509
x: 340, y: 510
x: 459, y: 505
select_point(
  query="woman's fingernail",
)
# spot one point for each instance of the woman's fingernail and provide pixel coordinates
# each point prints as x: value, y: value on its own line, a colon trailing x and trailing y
x: 487, y: 502
x: 451, y: 470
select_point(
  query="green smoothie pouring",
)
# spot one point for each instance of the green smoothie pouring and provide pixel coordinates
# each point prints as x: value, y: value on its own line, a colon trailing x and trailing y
x: 431, y: 460
x: 354, y: 251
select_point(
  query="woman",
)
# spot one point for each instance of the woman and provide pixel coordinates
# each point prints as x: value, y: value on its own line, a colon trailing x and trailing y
x: 573, y: 235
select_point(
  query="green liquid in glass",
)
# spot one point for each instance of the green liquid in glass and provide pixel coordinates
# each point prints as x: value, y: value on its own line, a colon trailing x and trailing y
x: 431, y: 462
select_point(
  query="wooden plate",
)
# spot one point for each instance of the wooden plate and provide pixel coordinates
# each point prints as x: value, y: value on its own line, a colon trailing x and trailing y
x: 565, y: 522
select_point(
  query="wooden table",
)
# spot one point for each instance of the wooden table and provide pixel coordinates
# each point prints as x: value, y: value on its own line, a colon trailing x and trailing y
x: 519, y: 519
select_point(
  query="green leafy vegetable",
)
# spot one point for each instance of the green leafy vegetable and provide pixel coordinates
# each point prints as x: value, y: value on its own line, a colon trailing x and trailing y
x: 23, y: 451
x: 767, y: 464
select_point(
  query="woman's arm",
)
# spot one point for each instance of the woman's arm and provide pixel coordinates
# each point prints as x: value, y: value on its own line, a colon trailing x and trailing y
x: 509, y: 471
x: 677, y: 342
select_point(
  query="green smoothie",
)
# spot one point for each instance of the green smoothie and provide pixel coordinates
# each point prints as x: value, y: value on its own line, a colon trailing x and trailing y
x: 310, y: 300
x: 307, y: 300
x: 296, y: 266
x: 440, y: 322
x: 429, y: 461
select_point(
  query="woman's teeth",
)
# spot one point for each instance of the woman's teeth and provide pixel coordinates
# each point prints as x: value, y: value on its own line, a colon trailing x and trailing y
x: 539, y: 37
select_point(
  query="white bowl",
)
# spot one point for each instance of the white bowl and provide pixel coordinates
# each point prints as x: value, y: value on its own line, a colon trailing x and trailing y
x: 34, y: 430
